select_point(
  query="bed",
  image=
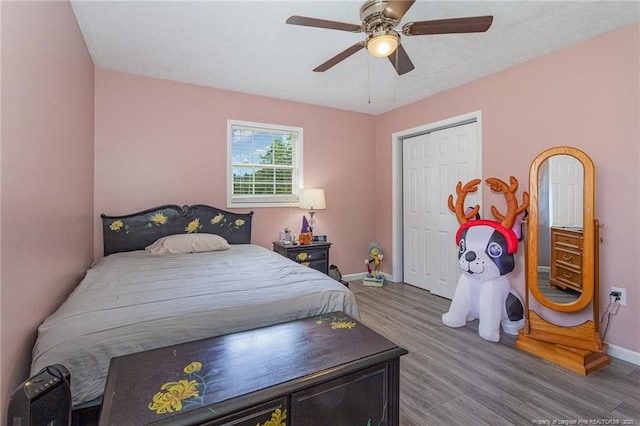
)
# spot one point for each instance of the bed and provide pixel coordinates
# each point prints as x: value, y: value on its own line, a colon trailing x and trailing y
x: 133, y: 300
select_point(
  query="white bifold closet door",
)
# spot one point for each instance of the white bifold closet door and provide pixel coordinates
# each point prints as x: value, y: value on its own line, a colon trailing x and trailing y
x: 433, y: 163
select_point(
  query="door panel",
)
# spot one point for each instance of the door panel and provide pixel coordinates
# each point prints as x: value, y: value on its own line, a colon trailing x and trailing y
x: 566, y: 191
x: 433, y: 164
x: 417, y: 217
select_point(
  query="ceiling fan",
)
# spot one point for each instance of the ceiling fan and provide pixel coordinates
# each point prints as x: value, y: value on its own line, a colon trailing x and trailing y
x: 379, y: 19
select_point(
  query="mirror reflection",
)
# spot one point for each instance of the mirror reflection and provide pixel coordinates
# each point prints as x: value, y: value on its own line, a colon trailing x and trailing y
x: 560, y: 228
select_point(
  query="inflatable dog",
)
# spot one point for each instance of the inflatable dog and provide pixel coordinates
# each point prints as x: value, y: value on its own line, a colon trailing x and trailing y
x: 485, y: 256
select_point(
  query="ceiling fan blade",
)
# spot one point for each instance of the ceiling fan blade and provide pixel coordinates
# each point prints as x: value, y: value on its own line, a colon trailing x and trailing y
x: 400, y: 61
x: 322, y: 23
x: 396, y: 9
x: 340, y: 57
x: 476, y: 24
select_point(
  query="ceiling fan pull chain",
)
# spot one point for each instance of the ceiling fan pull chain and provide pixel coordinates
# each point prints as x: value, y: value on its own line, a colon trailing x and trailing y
x: 369, y: 79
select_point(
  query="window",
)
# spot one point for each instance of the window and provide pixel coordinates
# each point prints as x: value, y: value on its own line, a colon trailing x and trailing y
x: 265, y: 164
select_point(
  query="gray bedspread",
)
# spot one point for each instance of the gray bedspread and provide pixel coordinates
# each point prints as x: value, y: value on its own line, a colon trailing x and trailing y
x: 131, y: 302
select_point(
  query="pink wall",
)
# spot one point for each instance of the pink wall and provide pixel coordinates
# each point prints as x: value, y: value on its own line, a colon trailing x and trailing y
x: 47, y: 172
x: 160, y: 142
x: 586, y: 96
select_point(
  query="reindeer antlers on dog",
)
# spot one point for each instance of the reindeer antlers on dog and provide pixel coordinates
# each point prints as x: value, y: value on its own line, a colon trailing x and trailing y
x: 462, y: 191
x: 509, y: 192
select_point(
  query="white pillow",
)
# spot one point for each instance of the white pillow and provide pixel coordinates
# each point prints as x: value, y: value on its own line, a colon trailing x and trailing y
x: 188, y: 243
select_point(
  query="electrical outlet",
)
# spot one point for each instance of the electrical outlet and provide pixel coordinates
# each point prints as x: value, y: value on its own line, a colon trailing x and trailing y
x: 623, y: 295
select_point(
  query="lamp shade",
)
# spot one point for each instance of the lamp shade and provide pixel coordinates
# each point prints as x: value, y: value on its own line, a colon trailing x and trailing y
x: 382, y: 44
x: 311, y: 198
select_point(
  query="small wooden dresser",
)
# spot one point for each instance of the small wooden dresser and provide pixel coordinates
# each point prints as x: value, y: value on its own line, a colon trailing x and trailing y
x: 325, y: 370
x: 314, y: 255
x: 566, y: 258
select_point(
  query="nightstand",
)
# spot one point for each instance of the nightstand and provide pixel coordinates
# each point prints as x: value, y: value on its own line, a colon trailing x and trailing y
x: 314, y: 255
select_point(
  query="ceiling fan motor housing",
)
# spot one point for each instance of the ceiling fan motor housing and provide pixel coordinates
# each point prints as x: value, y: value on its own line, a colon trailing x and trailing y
x: 373, y: 19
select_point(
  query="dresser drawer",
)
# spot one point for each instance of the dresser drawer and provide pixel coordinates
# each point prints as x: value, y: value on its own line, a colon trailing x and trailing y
x: 567, y: 277
x: 305, y: 256
x: 568, y: 258
x: 316, y: 259
x: 567, y: 239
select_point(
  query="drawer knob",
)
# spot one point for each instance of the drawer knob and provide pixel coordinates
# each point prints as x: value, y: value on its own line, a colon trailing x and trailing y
x: 567, y: 258
x: 568, y: 275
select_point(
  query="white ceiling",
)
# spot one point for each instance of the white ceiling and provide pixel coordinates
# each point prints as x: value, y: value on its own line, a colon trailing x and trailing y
x: 246, y: 46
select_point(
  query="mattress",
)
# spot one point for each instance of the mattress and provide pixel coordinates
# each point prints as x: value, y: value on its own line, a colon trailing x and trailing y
x: 135, y: 301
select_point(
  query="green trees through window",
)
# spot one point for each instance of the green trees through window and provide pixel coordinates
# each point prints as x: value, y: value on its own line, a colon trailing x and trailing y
x: 264, y: 164
x: 272, y: 173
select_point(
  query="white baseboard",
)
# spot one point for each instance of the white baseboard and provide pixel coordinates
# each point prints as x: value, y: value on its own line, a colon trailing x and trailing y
x: 353, y: 277
x: 623, y: 354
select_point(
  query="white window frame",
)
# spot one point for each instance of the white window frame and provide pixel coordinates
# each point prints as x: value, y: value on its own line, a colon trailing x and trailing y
x: 243, y: 201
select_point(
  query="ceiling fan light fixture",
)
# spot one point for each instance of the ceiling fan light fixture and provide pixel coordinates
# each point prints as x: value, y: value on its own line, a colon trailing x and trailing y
x: 383, y: 44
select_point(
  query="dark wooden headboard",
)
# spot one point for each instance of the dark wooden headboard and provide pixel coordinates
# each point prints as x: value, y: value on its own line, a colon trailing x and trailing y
x: 138, y: 230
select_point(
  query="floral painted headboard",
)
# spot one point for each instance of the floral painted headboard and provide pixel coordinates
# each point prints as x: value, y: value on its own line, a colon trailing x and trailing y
x: 137, y: 230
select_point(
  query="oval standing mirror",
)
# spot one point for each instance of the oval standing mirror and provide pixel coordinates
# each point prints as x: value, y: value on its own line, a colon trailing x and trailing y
x: 560, y: 228
x: 560, y: 246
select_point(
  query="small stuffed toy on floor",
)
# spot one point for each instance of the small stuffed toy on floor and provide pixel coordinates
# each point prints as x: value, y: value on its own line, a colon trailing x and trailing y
x: 485, y: 257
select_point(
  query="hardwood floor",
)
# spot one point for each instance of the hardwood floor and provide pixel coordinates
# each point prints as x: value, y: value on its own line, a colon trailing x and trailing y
x: 454, y: 377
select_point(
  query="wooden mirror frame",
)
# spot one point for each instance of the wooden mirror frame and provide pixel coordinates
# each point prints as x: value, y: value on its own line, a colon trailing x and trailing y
x: 589, y: 240
x: 578, y: 347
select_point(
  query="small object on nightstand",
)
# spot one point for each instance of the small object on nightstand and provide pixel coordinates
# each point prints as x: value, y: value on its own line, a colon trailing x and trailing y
x: 285, y: 236
x: 305, y: 238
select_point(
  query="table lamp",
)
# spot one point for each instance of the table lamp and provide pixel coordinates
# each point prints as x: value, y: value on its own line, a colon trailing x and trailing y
x: 312, y: 199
